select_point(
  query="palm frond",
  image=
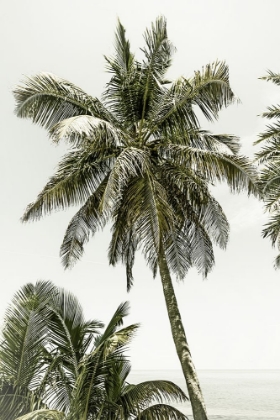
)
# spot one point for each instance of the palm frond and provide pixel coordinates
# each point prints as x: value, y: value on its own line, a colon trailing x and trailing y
x: 236, y: 171
x: 131, y: 162
x: 272, y: 77
x: 161, y: 412
x: 48, y: 99
x: 123, y: 58
x: 86, y: 129
x: 43, y: 415
x: 79, y: 174
x: 272, y: 133
x: 85, y: 222
x: 148, y: 392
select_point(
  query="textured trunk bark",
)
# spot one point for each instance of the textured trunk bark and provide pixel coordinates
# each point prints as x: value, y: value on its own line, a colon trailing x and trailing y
x: 180, y: 341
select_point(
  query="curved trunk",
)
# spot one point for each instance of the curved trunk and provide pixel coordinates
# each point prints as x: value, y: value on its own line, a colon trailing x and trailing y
x: 180, y: 341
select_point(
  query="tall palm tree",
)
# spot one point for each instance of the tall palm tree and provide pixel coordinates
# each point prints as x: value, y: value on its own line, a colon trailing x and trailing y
x: 139, y: 159
x: 269, y: 161
x: 55, y: 365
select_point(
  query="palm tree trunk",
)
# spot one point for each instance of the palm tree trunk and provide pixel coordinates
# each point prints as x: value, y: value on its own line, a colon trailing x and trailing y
x: 180, y: 341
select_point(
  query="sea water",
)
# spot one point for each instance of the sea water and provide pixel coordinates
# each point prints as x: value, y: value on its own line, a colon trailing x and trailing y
x: 229, y: 394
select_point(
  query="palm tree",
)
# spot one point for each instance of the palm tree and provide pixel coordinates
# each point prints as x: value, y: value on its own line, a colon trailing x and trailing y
x: 139, y: 160
x: 269, y: 160
x: 55, y: 365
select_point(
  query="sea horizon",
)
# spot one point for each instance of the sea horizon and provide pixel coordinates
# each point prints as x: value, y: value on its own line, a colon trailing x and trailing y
x: 230, y: 394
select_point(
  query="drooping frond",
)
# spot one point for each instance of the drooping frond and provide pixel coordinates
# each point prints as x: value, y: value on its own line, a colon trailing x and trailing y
x: 156, y: 220
x: 153, y: 391
x: 214, y: 167
x: 79, y: 174
x: 211, y: 89
x: 161, y: 412
x: 131, y: 162
x: 48, y: 99
x: 85, y: 222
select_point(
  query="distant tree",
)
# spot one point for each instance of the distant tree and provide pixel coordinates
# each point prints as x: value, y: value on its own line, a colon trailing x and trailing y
x: 139, y: 159
x: 269, y: 161
x: 55, y: 365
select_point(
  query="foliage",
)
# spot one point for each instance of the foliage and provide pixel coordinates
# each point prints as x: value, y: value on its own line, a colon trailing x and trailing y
x: 55, y: 365
x: 139, y: 160
x: 269, y: 160
x: 138, y: 157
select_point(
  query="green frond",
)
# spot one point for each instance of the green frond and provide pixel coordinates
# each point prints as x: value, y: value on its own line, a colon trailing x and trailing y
x: 131, y: 162
x: 272, y: 229
x: 116, y: 321
x: 236, y: 171
x: 211, y: 89
x: 156, y: 220
x: 43, y: 415
x: 123, y: 59
x: 269, y: 151
x: 48, y: 99
x: 79, y: 174
x: 272, y: 77
x: 273, y: 112
x: 85, y: 222
x: 172, y: 110
x: 24, y: 336
x: 161, y: 412
x: 158, y: 49
x: 220, y: 143
x: 277, y: 262
x: 272, y: 134
x: 153, y: 391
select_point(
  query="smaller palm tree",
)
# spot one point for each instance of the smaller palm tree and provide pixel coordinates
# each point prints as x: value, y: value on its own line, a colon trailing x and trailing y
x: 269, y: 160
x: 55, y: 365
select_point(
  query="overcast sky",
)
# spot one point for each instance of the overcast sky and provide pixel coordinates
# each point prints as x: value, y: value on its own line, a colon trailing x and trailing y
x: 232, y: 319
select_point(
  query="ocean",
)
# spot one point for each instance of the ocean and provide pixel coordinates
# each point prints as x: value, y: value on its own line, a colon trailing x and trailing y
x: 229, y: 394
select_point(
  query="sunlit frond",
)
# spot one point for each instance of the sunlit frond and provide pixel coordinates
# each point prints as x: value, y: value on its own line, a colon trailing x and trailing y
x: 84, y: 129
x: 43, y: 415
x: 132, y: 162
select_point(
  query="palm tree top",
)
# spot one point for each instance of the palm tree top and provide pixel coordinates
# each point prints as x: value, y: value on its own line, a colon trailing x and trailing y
x: 138, y: 156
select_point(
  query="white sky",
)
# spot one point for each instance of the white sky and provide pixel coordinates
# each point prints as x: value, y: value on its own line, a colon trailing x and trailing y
x: 232, y: 319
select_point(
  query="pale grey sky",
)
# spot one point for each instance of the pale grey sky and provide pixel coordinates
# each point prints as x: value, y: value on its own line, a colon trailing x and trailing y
x: 232, y: 320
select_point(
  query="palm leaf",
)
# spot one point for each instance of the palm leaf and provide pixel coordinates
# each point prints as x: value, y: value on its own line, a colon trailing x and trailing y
x: 85, y: 222
x: 43, y: 415
x: 48, y: 99
x: 161, y: 412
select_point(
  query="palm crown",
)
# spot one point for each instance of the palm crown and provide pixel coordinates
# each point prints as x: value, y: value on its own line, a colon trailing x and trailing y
x: 139, y: 157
